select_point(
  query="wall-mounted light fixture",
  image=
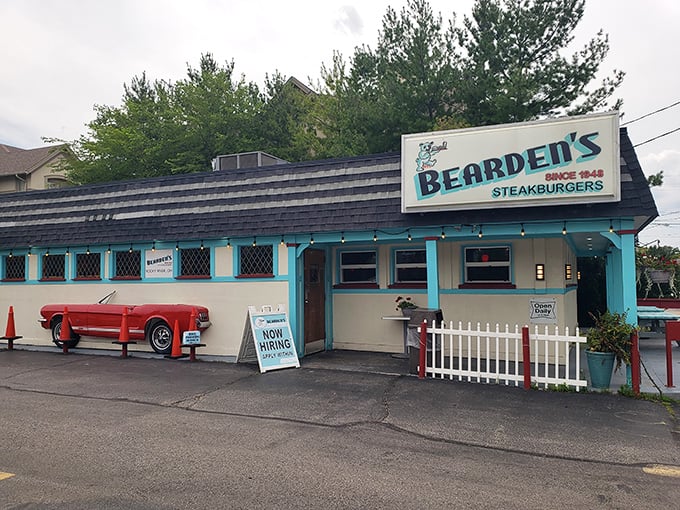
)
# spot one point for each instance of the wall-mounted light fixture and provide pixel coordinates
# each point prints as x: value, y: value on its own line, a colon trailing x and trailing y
x: 540, y: 272
x: 567, y: 271
x: 578, y: 275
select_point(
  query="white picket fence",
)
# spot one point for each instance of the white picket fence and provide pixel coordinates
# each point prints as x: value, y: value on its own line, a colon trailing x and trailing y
x: 495, y: 356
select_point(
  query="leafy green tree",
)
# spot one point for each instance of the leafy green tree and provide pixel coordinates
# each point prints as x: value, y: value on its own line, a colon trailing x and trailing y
x: 513, y: 68
x: 163, y: 128
x: 404, y: 85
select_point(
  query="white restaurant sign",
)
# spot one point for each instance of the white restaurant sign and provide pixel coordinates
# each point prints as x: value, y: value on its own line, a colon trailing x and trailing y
x: 564, y: 161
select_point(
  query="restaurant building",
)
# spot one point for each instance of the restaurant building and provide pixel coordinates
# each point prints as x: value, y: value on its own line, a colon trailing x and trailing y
x: 485, y: 224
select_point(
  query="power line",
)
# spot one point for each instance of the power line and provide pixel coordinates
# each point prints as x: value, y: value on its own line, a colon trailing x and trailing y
x: 651, y: 113
x: 657, y: 137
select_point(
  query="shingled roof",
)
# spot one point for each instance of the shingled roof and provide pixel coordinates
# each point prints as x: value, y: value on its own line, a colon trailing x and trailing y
x: 14, y: 160
x: 349, y: 194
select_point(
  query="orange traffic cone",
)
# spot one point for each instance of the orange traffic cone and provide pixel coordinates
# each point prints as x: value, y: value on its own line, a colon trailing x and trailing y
x: 176, y: 352
x: 124, y: 335
x: 10, y: 331
x: 192, y: 320
x: 65, y: 332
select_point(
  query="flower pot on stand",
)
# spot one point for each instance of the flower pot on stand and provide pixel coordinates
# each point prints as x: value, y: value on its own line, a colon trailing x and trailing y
x: 600, y: 367
x: 659, y: 276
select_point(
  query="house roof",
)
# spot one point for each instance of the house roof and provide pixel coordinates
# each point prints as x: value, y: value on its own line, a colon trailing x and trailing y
x: 348, y: 194
x: 14, y: 160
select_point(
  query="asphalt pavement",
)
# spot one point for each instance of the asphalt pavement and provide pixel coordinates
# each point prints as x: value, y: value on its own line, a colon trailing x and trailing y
x: 343, y: 388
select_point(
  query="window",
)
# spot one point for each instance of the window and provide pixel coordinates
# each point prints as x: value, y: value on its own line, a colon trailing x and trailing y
x: 15, y: 267
x: 128, y: 264
x: 194, y: 262
x: 359, y: 267
x: 489, y: 264
x: 410, y: 266
x: 88, y: 266
x: 256, y: 260
x: 53, y: 267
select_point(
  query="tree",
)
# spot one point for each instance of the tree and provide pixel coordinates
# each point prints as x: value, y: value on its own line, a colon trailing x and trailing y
x: 404, y: 85
x: 163, y: 128
x: 513, y: 69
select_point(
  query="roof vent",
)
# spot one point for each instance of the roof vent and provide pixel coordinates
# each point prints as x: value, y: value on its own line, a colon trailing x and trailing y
x: 245, y: 160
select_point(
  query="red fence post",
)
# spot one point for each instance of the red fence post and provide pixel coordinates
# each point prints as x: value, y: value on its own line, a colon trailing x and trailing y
x: 635, y: 362
x: 423, y: 350
x: 672, y: 330
x: 526, y: 358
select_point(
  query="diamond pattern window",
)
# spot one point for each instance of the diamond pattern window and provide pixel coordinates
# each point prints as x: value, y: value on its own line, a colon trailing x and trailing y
x: 15, y: 268
x: 88, y: 266
x: 128, y: 264
x: 256, y: 260
x: 194, y: 262
x: 53, y: 267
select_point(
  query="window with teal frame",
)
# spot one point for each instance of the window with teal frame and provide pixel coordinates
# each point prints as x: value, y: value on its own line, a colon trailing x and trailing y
x: 487, y: 264
x: 359, y: 266
x: 410, y: 266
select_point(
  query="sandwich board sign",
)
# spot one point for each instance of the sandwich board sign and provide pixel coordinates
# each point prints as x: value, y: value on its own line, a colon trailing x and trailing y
x: 268, y: 337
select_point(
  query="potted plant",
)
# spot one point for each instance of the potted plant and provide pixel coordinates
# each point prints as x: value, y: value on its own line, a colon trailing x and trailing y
x: 405, y: 305
x: 657, y: 264
x: 608, y: 343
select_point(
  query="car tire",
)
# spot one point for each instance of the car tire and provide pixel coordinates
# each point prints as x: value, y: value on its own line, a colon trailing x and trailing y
x: 56, y: 333
x: 160, y: 337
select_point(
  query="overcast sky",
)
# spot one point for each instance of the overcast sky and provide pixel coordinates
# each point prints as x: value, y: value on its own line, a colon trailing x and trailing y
x: 59, y: 58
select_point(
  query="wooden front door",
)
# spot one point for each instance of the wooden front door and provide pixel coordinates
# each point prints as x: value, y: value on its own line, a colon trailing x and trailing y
x: 315, y: 300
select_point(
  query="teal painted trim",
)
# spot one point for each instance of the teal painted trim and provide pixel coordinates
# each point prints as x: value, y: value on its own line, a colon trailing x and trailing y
x: 628, y: 277
x: 293, y: 280
x: 419, y: 292
x: 432, y: 274
x: 509, y: 292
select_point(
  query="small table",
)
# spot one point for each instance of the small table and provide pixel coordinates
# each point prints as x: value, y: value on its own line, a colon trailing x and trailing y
x: 404, y: 320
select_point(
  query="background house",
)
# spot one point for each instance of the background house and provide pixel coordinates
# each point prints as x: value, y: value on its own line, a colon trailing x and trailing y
x: 31, y: 169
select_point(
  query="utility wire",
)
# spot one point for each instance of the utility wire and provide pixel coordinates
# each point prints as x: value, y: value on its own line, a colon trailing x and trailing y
x: 657, y: 137
x: 652, y: 113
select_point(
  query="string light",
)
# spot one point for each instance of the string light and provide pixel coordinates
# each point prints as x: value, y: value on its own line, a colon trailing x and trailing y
x: 228, y: 242
x: 564, y: 229
x: 87, y: 251
x: 409, y: 236
x: 68, y: 253
x: 29, y: 252
x: 10, y: 254
x: 202, y: 247
x: 254, y: 241
x: 443, y: 233
x: 177, y: 246
x: 342, y: 238
x: 129, y: 251
x: 311, y: 238
x: 153, y: 246
x: 480, y: 235
x: 108, y: 250
x: 375, y: 236
x: 282, y: 241
x: 611, y: 227
x: 521, y: 232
